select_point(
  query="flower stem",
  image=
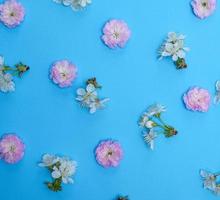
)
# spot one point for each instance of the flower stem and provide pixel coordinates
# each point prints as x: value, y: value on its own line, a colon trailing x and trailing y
x: 94, y: 82
x: 19, y: 69
x: 159, y: 118
x: 122, y: 198
x: 55, y: 186
x: 180, y: 63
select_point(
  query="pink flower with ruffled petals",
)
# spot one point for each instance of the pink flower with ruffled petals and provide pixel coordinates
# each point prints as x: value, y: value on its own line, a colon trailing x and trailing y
x: 197, y: 99
x: 11, y: 13
x: 109, y: 153
x: 203, y: 8
x: 63, y: 73
x: 11, y: 148
x: 116, y: 33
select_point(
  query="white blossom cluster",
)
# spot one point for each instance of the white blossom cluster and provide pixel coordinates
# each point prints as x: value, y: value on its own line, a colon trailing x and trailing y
x: 6, y: 79
x: 210, y: 181
x: 74, y: 4
x: 61, y: 168
x: 146, y: 122
x: 88, y: 98
x: 173, y: 47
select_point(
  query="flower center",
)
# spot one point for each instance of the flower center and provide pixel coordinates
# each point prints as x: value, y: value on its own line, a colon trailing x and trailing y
x: 12, y: 14
x: 116, y: 35
x: 204, y: 4
x: 12, y: 148
x: 63, y: 75
x: 110, y: 153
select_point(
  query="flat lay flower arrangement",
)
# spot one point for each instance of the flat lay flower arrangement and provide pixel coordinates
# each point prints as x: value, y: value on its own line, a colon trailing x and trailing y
x: 89, y: 94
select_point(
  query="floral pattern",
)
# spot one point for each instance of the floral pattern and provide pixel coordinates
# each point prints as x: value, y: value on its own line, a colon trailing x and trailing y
x: 88, y: 97
x: 63, y: 73
x: 61, y: 168
x: 11, y: 148
x: 217, y: 93
x: 116, y: 33
x: 203, y: 8
x: 153, y: 125
x: 74, y: 4
x: 109, y: 153
x: 197, y: 99
x: 11, y: 13
x: 210, y: 181
x: 6, y: 75
x: 174, y: 47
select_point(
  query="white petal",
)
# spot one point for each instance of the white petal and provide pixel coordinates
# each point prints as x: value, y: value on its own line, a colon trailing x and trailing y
x: 90, y: 88
x: 56, y: 174
x: 104, y: 100
x: 181, y: 54
x: 57, y: 1
x: 181, y: 37
x: 1, y: 60
x: 92, y: 110
x: 175, y: 57
x: 217, y: 99
x: 81, y: 91
x: 165, y: 53
x: 217, y: 85
x: 67, y: 2
x: 203, y: 173
x: 64, y: 179
x: 79, y: 98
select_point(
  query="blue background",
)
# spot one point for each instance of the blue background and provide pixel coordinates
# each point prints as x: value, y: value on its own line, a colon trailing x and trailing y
x: 49, y: 120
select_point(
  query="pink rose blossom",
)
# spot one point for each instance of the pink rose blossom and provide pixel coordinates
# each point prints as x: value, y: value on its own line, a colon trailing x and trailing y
x: 109, y: 153
x: 63, y: 73
x: 197, y: 99
x: 11, y: 13
x: 203, y: 8
x: 116, y: 33
x: 11, y: 148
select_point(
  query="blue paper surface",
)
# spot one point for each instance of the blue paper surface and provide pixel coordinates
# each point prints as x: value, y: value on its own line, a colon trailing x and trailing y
x: 50, y: 121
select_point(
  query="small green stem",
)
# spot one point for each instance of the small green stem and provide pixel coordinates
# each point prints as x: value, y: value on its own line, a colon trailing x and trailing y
x: 162, y: 121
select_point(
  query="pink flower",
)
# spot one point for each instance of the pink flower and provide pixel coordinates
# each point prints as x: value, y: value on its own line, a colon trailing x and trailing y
x: 11, y: 13
x: 109, y: 153
x: 203, y: 8
x: 197, y: 99
x: 63, y: 73
x: 116, y: 33
x: 11, y: 148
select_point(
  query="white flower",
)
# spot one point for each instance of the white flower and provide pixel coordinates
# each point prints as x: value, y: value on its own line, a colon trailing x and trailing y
x: 67, y: 2
x: 97, y: 104
x: 87, y: 96
x: 66, y: 169
x: 155, y: 109
x: 174, y: 47
x: 149, y: 138
x: 208, y: 180
x: 217, y: 95
x: 74, y: 4
x: 48, y: 160
x: 6, y: 82
x: 150, y: 124
x: 144, y: 119
x: 173, y: 37
x: 217, y: 190
x: 1, y: 61
x: 79, y: 4
x: 58, y: 1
